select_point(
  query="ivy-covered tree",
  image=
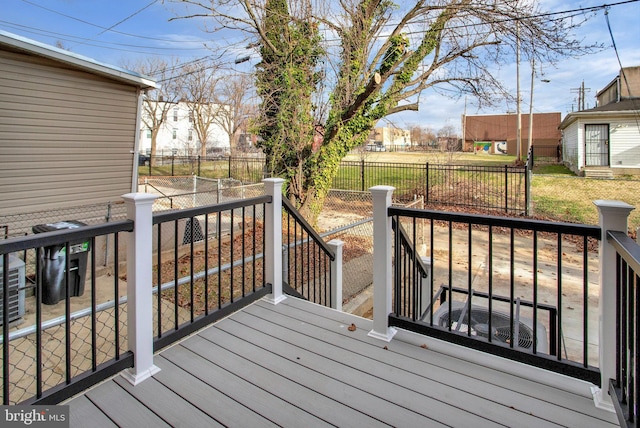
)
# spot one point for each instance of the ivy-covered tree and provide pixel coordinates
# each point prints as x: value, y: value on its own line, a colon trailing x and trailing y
x: 378, y: 58
x: 286, y: 81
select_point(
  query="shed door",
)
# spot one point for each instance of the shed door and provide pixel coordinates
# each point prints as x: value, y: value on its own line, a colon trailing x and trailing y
x: 596, y: 145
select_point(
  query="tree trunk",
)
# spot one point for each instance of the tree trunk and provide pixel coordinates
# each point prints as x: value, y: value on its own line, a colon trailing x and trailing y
x: 152, y: 156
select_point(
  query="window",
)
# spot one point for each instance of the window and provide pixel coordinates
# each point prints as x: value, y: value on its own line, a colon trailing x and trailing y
x: 190, y: 135
x: 175, y: 114
x: 175, y: 133
x: 190, y: 116
x: 148, y: 132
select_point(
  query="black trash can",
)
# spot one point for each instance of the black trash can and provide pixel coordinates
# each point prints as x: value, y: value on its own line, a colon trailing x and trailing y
x: 53, y: 264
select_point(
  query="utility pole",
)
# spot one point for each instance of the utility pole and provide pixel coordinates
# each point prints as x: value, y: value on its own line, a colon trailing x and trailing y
x: 533, y: 75
x: 581, y: 95
x: 519, y: 113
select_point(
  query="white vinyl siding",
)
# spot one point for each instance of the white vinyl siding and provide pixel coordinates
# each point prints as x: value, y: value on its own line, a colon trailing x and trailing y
x: 66, y: 136
x: 571, y: 151
x: 625, y: 143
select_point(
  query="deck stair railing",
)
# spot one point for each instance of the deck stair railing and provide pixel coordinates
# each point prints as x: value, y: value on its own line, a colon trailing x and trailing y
x: 311, y: 267
x: 493, y: 259
x: 625, y: 387
x: 412, y: 274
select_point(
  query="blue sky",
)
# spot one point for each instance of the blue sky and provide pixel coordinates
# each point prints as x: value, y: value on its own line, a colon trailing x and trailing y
x: 116, y: 31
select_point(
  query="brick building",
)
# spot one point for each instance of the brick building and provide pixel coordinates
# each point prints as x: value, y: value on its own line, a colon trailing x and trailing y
x: 497, y: 134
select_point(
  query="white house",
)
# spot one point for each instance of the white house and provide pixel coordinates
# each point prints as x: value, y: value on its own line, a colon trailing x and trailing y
x: 391, y: 137
x: 606, y: 139
x: 178, y: 133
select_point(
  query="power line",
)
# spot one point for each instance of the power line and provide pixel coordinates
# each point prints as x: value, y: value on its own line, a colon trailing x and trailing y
x: 85, y: 41
x: 560, y: 15
x: 623, y: 76
x: 128, y: 17
x: 110, y: 29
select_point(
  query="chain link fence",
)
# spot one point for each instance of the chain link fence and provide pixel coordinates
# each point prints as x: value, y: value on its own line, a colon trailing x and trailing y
x: 22, y: 224
x: 570, y: 198
x: 348, y: 216
x: 190, y: 192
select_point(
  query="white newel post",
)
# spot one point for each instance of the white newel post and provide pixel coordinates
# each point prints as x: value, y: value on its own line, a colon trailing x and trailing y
x: 139, y: 285
x: 336, y: 274
x: 273, y: 239
x: 613, y: 216
x: 382, y: 286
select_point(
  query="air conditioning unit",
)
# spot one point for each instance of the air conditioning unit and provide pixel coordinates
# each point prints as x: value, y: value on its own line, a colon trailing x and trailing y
x: 16, y: 289
x: 458, y: 319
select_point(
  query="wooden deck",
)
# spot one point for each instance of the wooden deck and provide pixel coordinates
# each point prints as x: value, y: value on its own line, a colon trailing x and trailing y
x: 296, y: 364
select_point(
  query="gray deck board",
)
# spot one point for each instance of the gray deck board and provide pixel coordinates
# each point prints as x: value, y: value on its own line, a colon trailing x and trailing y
x: 121, y: 407
x: 258, y: 399
x: 207, y: 398
x: 289, y: 386
x: 510, y: 391
x: 409, y: 384
x: 167, y: 405
x: 86, y: 414
x: 297, y: 364
x: 384, y: 400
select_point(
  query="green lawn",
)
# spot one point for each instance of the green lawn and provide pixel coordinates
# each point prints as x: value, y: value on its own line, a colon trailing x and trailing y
x: 433, y: 157
x: 570, y: 198
x: 556, y: 192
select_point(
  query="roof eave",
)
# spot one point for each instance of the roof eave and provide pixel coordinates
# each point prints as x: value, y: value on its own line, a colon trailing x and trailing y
x: 79, y: 61
x: 573, y: 116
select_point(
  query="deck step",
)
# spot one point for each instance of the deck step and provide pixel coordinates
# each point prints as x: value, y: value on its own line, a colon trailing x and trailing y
x: 598, y: 173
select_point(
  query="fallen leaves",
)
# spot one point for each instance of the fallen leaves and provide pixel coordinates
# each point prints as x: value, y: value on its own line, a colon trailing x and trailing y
x: 352, y: 327
x: 424, y: 346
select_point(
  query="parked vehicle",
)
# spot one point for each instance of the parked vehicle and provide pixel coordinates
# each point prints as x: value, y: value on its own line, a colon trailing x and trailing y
x: 142, y: 159
x: 376, y: 148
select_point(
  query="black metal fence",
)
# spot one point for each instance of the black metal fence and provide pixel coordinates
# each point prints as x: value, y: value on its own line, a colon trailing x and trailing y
x: 515, y: 288
x: 625, y: 388
x: 502, y: 188
x: 547, y: 154
x: 244, y: 169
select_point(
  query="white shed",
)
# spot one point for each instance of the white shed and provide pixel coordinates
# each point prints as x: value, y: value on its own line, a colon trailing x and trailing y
x: 606, y: 137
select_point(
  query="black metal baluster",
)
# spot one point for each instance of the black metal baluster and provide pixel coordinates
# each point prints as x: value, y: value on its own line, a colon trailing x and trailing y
x: 585, y: 300
x: 116, y: 298
x: 219, y: 259
x: 159, y: 276
x: 559, y: 306
x: 5, y: 330
x: 176, y: 262
x: 244, y: 233
x: 206, y: 264
x: 535, y: 292
x: 67, y: 311
x: 231, y: 255
x: 511, y: 286
x: 191, y: 261
x: 94, y: 341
